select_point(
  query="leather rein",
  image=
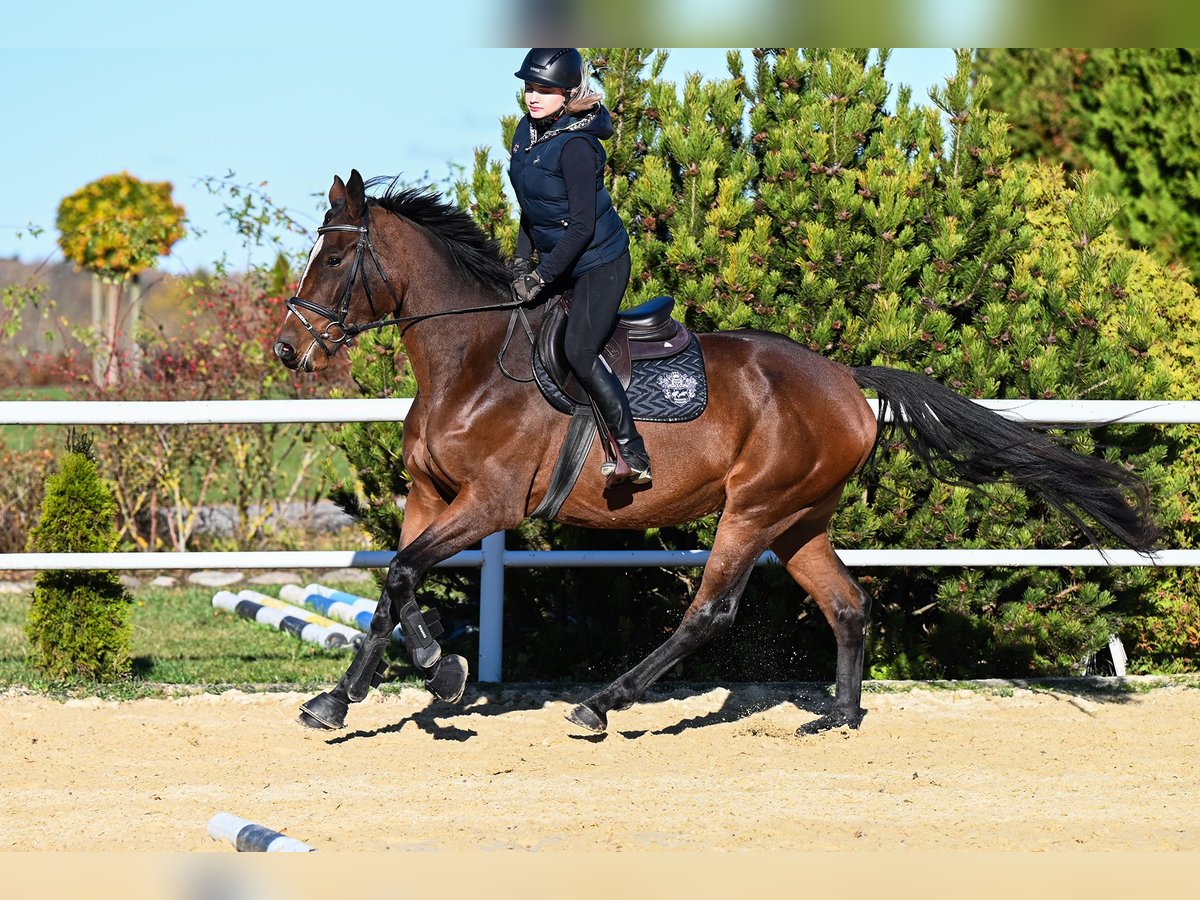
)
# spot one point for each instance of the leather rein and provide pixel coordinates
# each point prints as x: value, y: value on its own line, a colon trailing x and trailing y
x: 346, y: 332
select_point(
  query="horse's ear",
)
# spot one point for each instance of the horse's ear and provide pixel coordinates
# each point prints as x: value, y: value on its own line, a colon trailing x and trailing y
x: 356, y: 193
x: 337, y: 193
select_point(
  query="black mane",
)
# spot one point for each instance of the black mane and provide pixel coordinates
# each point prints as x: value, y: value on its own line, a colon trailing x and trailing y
x: 474, y: 254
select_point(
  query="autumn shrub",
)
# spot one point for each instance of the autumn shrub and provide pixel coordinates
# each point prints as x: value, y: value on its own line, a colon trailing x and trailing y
x: 165, y: 474
x: 21, y: 491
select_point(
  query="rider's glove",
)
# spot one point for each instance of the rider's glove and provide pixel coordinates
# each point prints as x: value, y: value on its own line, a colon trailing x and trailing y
x: 519, y: 266
x: 526, y: 287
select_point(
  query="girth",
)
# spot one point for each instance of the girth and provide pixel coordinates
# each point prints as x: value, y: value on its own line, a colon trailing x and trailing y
x: 644, y: 332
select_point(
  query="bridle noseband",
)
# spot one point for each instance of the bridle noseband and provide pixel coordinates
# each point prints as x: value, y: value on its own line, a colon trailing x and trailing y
x: 337, y: 317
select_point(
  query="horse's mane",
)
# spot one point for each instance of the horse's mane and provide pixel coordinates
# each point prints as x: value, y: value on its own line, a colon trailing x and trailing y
x: 475, y: 256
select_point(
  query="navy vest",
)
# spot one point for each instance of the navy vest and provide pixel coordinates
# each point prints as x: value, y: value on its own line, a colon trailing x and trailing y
x: 537, y: 179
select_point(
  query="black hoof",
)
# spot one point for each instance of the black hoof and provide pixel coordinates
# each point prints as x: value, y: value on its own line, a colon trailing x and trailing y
x: 831, y: 722
x: 448, y: 679
x: 586, y: 717
x: 324, y: 711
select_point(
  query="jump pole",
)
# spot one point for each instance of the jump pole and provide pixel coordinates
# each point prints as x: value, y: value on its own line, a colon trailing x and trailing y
x: 248, y: 837
x: 351, y: 635
x: 337, y: 605
x: 268, y: 615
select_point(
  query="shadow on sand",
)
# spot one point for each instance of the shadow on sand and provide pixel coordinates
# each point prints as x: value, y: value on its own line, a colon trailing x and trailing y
x: 447, y: 722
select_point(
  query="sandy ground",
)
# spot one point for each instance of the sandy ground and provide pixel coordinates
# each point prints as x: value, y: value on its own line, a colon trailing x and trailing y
x: 928, y: 770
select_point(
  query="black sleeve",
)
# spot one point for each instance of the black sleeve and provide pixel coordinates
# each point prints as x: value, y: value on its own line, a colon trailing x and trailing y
x: 524, y: 241
x: 579, y: 173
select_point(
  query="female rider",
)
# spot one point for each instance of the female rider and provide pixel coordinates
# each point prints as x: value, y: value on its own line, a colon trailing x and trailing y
x: 567, y: 216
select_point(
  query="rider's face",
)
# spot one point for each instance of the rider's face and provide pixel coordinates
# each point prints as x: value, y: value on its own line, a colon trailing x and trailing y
x: 542, y: 100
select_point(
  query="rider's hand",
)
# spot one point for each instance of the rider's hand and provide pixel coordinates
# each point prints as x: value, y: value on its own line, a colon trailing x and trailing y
x: 519, y: 266
x: 526, y: 287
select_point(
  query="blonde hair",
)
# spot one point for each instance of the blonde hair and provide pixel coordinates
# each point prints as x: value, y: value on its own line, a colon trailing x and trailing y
x: 585, y: 96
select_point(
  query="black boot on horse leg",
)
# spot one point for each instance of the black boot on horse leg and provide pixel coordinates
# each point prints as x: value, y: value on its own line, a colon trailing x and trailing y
x: 445, y: 676
x: 328, y: 709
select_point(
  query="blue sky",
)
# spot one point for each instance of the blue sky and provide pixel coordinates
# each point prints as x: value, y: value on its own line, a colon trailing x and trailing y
x: 290, y: 116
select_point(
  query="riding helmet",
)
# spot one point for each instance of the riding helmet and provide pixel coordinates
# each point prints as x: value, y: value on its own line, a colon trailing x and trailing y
x: 560, y: 67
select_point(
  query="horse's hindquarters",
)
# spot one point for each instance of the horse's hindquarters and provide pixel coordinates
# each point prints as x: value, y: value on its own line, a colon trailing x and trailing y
x: 782, y: 425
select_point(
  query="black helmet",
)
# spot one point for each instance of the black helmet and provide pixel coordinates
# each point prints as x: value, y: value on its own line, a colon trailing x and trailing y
x: 560, y: 67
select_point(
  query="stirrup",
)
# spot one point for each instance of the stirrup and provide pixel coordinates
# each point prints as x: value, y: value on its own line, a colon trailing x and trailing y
x: 637, y: 473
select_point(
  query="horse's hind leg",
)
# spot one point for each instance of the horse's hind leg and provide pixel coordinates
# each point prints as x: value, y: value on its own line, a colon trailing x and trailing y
x: 812, y: 562
x: 734, y: 553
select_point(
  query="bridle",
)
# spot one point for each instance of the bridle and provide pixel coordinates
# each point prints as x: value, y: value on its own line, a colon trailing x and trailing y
x: 337, y: 317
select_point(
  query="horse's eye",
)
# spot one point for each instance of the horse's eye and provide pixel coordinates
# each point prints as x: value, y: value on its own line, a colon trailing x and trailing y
x: 334, y: 261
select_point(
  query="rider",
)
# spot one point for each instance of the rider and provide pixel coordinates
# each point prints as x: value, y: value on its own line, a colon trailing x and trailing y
x: 557, y: 173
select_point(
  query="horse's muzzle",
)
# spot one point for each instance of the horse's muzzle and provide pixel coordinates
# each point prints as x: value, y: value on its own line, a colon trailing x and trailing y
x: 287, y: 354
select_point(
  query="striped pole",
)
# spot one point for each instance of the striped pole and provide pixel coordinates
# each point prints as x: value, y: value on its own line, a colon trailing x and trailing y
x: 247, y: 837
x: 351, y: 635
x: 343, y: 607
x: 348, y: 608
x: 268, y: 615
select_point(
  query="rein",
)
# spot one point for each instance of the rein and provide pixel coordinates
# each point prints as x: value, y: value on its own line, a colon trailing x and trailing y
x: 337, y: 317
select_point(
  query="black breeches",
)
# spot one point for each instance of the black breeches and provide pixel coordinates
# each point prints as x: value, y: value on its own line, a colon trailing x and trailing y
x: 596, y: 297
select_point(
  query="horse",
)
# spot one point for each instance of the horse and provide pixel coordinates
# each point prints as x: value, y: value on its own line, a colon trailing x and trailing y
x: 783, y: 431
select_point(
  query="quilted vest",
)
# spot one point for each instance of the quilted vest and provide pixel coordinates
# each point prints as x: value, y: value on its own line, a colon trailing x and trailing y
x: 535, y: 171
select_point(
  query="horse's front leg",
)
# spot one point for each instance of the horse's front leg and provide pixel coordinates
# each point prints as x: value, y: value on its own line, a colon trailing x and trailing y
x: 456, y: 527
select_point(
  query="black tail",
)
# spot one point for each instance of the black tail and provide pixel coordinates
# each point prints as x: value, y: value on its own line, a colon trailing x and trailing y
x: 962, y: 442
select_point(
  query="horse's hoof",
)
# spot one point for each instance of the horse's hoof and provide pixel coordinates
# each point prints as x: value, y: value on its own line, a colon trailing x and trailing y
x: 586, y: 717
x: 449, y: 678
x: 324, y: 711
x: 831, y: 722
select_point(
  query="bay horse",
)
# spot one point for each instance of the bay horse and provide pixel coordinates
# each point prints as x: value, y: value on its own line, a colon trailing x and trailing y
x: 783, y: 432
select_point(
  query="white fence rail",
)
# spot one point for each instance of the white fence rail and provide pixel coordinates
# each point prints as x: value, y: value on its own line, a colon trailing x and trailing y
x: 255, y: 412
x: 493, y: 558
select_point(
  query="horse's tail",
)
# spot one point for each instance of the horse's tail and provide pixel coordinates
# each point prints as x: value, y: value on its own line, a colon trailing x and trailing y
x: 961, y: 442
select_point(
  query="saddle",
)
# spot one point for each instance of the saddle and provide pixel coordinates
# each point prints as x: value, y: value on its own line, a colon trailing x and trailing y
x: 658, y: 362
x: 642, y: 333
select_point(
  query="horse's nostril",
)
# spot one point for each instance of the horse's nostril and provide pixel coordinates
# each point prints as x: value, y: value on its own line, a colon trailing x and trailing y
x: 285, y: 351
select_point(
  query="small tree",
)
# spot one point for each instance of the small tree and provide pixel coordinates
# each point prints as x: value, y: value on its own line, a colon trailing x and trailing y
x: 79, y: 622
x: 116, y: 227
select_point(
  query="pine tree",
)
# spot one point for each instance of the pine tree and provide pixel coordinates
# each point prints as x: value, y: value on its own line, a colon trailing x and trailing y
x: 78, y: 624
x: 791, y: 198
x: 1125, y: 113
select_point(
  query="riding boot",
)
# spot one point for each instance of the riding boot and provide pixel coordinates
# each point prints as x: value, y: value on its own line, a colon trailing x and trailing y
x: 613, y: 405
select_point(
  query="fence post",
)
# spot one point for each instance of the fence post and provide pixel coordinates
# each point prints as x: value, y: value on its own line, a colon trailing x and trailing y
x: 491, y: 608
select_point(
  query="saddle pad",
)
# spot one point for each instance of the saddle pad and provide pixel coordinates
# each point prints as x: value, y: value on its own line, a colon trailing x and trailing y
x: 674, y: 389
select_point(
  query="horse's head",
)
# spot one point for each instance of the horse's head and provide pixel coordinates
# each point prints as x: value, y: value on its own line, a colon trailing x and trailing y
x: 343, y: 287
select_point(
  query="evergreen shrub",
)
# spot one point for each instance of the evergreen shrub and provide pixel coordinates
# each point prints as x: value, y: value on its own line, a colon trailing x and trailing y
x: 78, y: 624
x: 794, y: 199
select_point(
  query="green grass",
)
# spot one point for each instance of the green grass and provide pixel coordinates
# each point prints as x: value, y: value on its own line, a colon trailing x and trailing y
x: 179, y: 639
x: 181, y: 644
x: 24, y: 437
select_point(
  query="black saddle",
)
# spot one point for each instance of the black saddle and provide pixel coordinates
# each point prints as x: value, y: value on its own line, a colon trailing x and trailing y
x: 644, y: 332
x: 658, y: 362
